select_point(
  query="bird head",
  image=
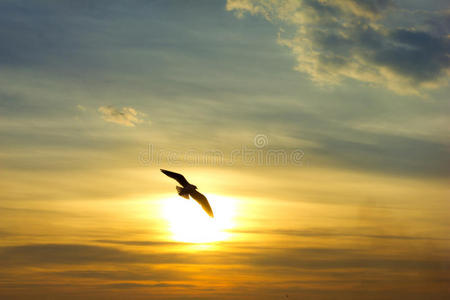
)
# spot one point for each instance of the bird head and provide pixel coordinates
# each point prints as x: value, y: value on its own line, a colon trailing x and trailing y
x: 195, y: 187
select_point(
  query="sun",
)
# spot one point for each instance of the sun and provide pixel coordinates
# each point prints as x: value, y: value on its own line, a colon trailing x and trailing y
x: 189, y: 223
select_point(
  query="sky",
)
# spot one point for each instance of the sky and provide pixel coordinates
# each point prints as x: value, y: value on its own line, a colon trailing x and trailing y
x: 318, y: 130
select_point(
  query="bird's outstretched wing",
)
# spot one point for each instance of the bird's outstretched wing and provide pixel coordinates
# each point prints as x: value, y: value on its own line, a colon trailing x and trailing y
x: 201, y: 199
x: 178, y: 177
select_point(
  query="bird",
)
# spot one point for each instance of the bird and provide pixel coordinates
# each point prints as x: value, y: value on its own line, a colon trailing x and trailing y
x: 188, y: 189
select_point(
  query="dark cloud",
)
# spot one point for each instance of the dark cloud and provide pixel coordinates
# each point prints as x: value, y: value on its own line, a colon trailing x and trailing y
x: 353, y: 39
x: 128, y: 285
x: 342, y: 234
x: 42, y: 254
x: 316, y: 268
x: 295, y: 260
x: 415, y: 54
x: 299, y: 257
x: 143, y: 274
x: 79, y: 254
x: 140, y: 243
x: 4, y: 234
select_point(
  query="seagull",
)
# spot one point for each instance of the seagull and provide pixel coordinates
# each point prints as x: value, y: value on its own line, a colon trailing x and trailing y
x: 188, y: 189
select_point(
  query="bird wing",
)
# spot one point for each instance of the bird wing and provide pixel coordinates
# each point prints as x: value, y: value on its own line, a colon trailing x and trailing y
x: 201, y: 199
x: 178, y: 177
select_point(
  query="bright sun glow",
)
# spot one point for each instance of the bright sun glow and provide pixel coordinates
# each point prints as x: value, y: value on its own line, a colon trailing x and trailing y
x: 189, y: 223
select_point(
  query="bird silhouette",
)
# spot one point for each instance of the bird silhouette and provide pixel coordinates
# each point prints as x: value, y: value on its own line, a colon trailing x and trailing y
x: 188, y: 189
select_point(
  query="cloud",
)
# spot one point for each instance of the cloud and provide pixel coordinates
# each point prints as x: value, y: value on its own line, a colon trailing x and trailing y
x: 63, y: 254
x: 331, y: 268
x: 140, y: 243
x: 297, y: 257
x: 79, y: 254
x: 337, y: 40
x: 128, y: 285
x: 81, y: 107
x: 136, y: 274
x: 320, y: 233
x: 127, y: 116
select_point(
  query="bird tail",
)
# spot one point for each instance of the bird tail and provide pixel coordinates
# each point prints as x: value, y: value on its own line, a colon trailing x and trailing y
x: 180, y: 192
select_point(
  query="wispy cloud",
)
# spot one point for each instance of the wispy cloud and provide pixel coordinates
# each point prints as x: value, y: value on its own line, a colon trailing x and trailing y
x: 126, y: 116
x: 127, y: 285
x: 81, y: 107
x: 320, y: 233
x: 140, y: 243
x: 334, y: 40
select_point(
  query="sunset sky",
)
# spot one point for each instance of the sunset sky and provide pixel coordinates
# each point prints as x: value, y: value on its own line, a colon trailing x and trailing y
x: 318, y: 130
